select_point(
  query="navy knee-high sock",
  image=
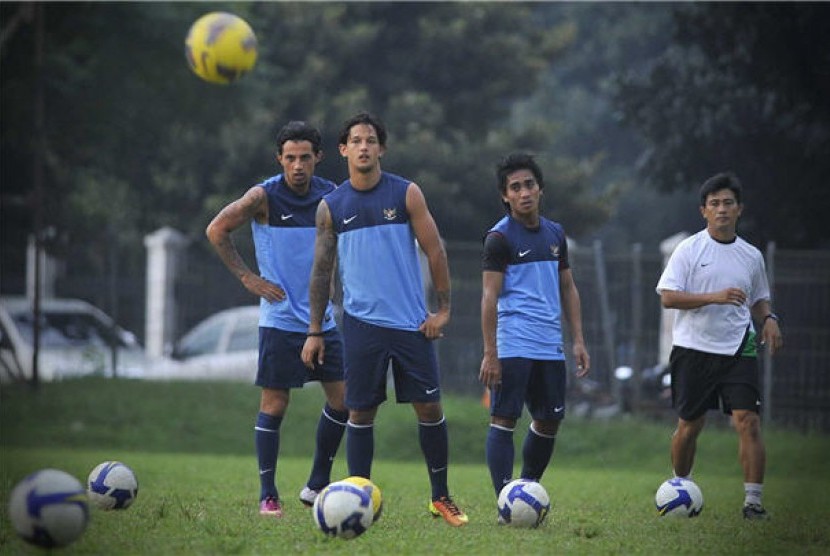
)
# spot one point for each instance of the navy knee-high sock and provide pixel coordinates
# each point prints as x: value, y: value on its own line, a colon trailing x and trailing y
x: 536, y: 453
x: 267, y: 442
x: 330, y: 429
x: 360, y: 449
x: 435, y: 447
x: 500, y: 454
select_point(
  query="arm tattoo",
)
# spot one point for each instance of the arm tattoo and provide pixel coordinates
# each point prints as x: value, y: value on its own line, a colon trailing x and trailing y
x: 325, y: 249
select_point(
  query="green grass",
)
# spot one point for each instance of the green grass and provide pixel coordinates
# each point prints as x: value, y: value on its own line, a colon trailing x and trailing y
x: 191, y: 447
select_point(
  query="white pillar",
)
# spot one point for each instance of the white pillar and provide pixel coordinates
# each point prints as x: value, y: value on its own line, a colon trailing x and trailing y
x: 164, y: 251
x: 667, y: 247
x: 50, y: 268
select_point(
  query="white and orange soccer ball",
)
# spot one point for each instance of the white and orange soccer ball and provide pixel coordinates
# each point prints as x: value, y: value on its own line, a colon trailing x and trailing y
x: 221, y: 47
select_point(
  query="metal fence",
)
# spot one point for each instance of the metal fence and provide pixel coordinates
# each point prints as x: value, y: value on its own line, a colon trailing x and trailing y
x: 621, y: 322
x: 621, y: 319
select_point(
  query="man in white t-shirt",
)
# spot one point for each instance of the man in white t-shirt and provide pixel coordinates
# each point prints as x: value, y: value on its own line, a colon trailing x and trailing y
x: 718, y: 283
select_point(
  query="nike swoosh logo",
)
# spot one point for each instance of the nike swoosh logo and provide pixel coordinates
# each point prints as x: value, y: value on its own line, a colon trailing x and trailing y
x: 285, y: 216
x: 431, y: 390
x: 558, y: 409
x: 347, y: 220
x: 523, y: 253
x: 705, y: 264
x: 433, y: 470
x: 264, y: 471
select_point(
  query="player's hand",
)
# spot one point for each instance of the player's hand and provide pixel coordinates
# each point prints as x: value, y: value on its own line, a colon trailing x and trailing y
x: 731, y: 296
x: 314, y: 350
x: 583, y: 360
x: 263, y: 288
x: 490, y: 372
x: 771, y: 336
x: 433, y: 327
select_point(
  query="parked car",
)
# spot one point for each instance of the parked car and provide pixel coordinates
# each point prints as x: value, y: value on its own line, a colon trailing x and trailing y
x: 76, y: 339
x: 224, y: 346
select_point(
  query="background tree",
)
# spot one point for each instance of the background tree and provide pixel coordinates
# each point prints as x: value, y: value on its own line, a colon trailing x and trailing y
x: 743, y: 87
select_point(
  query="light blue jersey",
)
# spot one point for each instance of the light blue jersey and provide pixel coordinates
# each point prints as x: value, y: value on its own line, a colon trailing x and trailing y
x: 377, y: 255
x: 285, y: 252
x: 529, y: 305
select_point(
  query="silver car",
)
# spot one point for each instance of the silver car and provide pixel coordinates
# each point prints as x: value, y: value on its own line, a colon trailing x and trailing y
x: 224, y: 346
x: 76, y: 339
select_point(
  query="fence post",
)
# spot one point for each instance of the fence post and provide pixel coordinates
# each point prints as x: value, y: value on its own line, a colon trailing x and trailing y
x: 636, y: 319
x: 767, y: 358
x: 164, y: 249
x: 605, y: 308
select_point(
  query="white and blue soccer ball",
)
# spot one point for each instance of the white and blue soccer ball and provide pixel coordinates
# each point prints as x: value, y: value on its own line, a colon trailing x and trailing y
x: 49, y: 508
x: 112, y: 486
x: 343, y: 509
x: 679, y: 497
x: 523, y: 503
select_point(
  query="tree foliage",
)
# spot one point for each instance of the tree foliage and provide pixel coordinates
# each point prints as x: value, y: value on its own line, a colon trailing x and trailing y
x: 743, y: 87
x: 134, y: 141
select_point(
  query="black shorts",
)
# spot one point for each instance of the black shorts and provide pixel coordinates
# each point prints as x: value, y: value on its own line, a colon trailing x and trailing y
x: 701, y: 381
x: 536, y: 383
x: 280, y: 365
x: 368, y: 351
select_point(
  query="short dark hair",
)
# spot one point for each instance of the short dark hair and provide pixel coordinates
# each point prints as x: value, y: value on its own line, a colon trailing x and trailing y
x: 724, y: 180
x: 299, y: 131
x: 363, y: 118
x: 512, y: 163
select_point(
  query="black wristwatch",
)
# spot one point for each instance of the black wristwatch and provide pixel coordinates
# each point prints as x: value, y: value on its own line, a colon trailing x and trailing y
x: 772, y: 316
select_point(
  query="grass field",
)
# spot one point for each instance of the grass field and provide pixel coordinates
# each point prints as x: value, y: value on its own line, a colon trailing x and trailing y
x: 191, y: 447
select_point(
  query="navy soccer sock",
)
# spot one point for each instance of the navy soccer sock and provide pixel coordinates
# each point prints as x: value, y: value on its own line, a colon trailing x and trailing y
x: 536, y: 453
x: 435, y: 446
x: 330, y: 429
x: 360, y: 449
x: 267, y: 442
x: 499, y: 453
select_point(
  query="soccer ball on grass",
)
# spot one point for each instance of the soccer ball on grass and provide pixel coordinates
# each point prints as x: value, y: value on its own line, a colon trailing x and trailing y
x: 343, y: 509
x: 112, y: 486
x: 523, y: 503
x: 49, y: 508
x: 221, y: 47
x: 679, y: 497
x: 374, y: 492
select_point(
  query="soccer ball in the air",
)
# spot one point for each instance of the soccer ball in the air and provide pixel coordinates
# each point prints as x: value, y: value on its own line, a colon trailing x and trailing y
x: 221, y: 47
x: 679, y: 497
x: 49, y: 508
x: 112, y: 486
x: 343, y: 509
x: 523, y: 503
x: 374, y: 492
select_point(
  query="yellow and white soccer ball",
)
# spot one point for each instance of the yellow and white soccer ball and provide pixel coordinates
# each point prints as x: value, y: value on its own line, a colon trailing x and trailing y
x: 343, y: 509
x: 221, y: 47
x: 374, y: 492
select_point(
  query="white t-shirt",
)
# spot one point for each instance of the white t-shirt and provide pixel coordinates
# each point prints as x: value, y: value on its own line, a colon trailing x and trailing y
x: 701, y: 264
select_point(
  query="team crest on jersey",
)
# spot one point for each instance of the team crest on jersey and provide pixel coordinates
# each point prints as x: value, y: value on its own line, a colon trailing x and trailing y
x: 390, y: 213
x: 554, y: 250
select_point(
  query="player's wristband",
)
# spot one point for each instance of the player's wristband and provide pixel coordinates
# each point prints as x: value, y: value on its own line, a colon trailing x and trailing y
x: 315, y: 334
x: 772, y: 316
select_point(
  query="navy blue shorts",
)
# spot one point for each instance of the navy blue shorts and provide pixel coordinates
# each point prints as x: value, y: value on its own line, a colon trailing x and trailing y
x: 539, y: 384
x: 369, y: 349
x: 702, y: 381
x: 280, y: 365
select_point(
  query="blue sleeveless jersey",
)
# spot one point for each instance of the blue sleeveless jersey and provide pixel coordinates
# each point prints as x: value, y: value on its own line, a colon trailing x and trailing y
x: 529, y: 306
x: 285, y: 252
x: 377, y: 255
